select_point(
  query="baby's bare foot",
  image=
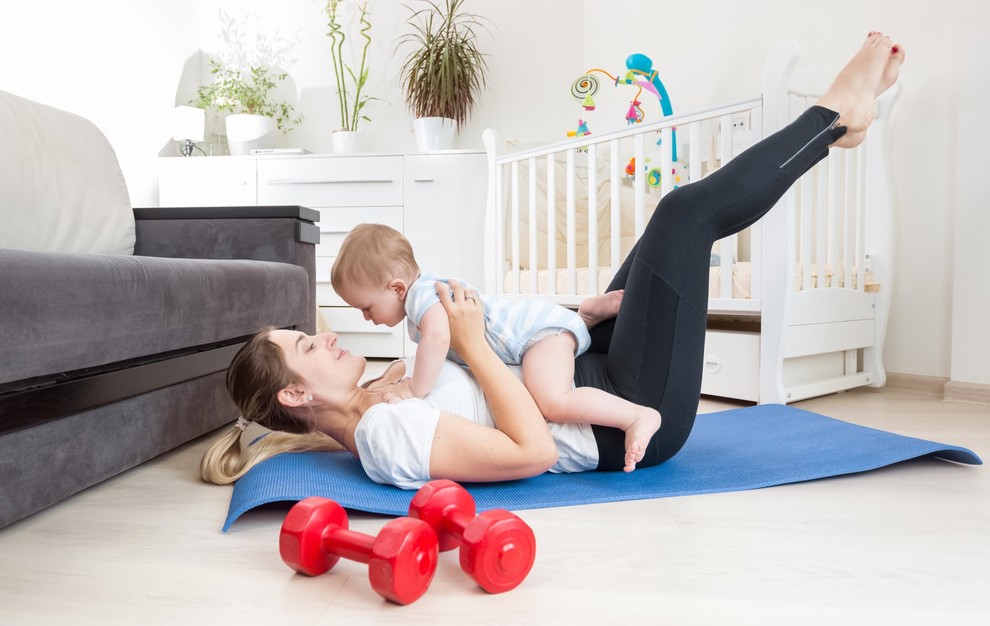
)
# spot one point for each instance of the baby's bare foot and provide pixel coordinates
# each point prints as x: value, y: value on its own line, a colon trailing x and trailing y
x: 597, y: 309
x: 395, y: 371
x: 871, y: 71
x: 638, y: 435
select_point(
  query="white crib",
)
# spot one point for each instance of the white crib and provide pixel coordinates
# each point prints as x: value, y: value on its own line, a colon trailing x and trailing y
x: 798, y: 303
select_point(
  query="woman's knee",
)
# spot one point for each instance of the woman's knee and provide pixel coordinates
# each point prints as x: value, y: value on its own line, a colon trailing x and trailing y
x: 678, y: 217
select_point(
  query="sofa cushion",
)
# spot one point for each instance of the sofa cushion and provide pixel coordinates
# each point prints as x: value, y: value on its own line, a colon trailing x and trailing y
x: 61, y: 188
x: 64, y: 312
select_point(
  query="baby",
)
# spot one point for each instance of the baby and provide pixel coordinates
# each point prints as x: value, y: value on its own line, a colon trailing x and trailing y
x: 376, y: 272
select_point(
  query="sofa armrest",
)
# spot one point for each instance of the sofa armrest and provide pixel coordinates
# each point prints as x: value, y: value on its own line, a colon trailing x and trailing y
x: 284, y: 234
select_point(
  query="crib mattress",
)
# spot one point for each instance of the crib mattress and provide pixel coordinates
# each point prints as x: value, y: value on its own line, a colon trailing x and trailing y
x: 742, y: 279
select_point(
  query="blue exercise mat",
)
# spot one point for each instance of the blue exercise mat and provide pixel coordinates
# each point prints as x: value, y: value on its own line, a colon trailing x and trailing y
x: 733, y: 450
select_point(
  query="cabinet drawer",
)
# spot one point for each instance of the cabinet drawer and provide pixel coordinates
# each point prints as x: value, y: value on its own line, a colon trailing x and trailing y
x: 335, y: 223
x: 362, y: 337
x: 331, y: 181
x: 732, y: 365
x: 325, y: 295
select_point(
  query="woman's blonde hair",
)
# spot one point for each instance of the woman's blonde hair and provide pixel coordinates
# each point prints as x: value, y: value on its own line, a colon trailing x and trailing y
x: 374, y: 254
x: 255, y: 376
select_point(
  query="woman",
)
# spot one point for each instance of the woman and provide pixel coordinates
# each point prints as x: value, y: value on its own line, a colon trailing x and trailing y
x: 488, y: 428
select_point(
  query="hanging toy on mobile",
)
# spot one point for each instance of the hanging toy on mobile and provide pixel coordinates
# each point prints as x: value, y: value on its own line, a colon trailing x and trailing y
x: 582, y: 130
x: 583, y: 89
x: 640, y: 73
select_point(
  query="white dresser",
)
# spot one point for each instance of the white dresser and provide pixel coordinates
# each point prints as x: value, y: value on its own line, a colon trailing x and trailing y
x: 437, y: 200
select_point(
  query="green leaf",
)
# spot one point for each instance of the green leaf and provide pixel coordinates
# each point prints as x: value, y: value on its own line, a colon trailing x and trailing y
x: 444, y: 73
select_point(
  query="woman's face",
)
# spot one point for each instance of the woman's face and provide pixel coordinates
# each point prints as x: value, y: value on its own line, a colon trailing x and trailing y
x: 320, y: 363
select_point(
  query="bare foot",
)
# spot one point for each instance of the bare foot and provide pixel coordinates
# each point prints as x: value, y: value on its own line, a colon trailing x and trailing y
x: 597, y: 309
x: 893, y: 68
x: 638, y: 435
x: 392, y: 374
x: 853, y: 93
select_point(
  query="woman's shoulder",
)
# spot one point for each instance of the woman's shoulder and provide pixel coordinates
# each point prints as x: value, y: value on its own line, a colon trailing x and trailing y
x: 394, y: 440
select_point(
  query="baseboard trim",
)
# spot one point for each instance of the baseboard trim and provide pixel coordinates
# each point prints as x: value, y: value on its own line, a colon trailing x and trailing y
x: 955, y: 391
x: 917, y: 383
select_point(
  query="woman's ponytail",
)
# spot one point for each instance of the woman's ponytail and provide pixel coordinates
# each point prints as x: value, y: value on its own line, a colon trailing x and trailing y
x: 226, y: 460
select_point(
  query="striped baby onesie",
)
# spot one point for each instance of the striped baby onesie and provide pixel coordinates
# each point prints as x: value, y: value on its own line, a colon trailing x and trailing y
x: 511, y: 326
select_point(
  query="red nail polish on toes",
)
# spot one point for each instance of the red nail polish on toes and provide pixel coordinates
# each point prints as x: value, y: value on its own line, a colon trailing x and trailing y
x: 895, y: 50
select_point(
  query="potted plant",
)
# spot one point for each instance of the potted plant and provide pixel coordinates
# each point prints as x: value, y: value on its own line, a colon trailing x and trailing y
x: 245, y: 95
x: 350, y: 82
x: 444, y: 74
x: 242, y: 87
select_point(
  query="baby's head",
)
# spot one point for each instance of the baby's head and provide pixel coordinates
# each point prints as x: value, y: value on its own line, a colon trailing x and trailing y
x: 373, y: 271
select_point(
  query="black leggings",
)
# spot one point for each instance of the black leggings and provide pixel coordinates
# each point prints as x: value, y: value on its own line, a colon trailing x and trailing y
x: 652, y: 353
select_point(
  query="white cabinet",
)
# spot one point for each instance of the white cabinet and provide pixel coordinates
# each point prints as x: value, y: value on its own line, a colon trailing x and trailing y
x: 732, y: 365
x: 211, y: 181
x: 331, y: 181
x: 445, y: 214
x: 437, y: 200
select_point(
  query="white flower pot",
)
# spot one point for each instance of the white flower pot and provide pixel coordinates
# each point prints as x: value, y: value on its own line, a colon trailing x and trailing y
x: 434, y: 133
x: 349, y: 142
x: 246, y: 131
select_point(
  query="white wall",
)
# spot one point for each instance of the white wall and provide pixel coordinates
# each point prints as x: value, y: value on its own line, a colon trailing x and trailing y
x: 524, y: 54
x: 971, y: 268
x: 712, y: 51
x: 125, y: 64
x: 115, y: 62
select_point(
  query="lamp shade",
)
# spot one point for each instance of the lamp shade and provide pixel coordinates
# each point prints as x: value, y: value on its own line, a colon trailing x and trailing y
x: 188, y: 123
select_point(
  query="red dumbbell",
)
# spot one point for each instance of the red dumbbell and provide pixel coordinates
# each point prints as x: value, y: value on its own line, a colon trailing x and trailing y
x: 497, y: 548
x: 401, y: 559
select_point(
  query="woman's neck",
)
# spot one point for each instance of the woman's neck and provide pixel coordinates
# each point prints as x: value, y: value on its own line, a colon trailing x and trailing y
x: 340, y: 423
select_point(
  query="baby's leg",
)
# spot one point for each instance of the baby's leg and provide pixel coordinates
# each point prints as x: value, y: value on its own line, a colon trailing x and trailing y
x: 548, y: 373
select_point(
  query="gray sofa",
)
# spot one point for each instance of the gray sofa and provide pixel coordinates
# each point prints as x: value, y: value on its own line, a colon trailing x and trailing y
x: 117, y: 324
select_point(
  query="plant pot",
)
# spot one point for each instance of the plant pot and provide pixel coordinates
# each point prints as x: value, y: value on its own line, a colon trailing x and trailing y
x: 215, y: 143
x: 434, y: 133
x: 246, y: 131
x: 349, y: 142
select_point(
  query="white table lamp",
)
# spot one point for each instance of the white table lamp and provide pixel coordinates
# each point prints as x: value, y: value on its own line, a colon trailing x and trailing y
x: 188, y: 127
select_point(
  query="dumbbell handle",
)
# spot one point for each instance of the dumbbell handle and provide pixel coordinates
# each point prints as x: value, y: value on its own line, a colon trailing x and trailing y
x: 454, y: 522
x: 348, y: 544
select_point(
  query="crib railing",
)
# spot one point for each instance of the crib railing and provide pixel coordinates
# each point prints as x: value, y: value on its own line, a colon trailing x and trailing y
x: 561, y: 218
x: 829, y: 212
x: 524, y: 256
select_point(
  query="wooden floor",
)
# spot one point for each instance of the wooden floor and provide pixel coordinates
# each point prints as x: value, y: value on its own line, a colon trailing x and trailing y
x: 909, y: 544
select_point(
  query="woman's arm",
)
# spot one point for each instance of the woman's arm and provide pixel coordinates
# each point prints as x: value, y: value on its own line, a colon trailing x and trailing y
x: 521, y: 445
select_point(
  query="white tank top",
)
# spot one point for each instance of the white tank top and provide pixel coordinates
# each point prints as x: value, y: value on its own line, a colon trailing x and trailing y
x: 394, y: 440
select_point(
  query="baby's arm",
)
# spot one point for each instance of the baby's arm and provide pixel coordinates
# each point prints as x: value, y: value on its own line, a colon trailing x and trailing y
x: 431, y: 352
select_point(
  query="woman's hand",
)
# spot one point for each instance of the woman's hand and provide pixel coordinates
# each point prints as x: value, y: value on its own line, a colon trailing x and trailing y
x: 520, y: 445
x: 466, y: 318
